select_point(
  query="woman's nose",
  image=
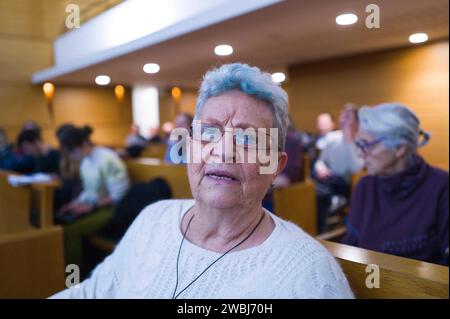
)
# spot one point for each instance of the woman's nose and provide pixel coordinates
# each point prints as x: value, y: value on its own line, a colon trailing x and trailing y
x: 225, y: 150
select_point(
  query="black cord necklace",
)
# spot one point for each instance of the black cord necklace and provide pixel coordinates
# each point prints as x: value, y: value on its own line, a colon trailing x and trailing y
x: 195, y: 279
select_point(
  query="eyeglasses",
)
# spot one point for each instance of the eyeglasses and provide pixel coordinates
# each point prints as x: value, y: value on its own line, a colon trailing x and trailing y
x: 366, y: 146
x: 248, y: 138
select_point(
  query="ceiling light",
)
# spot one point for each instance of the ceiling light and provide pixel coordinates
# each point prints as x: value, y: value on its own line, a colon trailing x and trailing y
x: 278, y: 77
x: 346, y: 19
x: 102, y: 80
x: 418, y: 37
x: 151, y: 68
x: 223, y: 49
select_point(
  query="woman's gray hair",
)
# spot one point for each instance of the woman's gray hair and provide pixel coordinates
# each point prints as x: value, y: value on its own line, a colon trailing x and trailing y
x: 251, y: 81
x: 396, y: 124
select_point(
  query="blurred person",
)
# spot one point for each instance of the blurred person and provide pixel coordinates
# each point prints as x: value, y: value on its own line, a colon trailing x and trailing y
x: 293, y: 171
x: 103, y: 174
x: 166, y: 128
x: 325, y: 125
x: 401, y: 206
x: 37, y: 157
x: 135, y: 142
x: 333, y: 170
x: 154, y: 137
x: 68, y: 172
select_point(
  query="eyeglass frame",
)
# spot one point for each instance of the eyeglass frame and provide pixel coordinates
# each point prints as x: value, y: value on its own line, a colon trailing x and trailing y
x: 223, y: 130
x: 366, y: 146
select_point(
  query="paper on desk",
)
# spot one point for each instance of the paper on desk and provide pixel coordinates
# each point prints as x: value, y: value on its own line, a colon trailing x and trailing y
x: 20, y: 180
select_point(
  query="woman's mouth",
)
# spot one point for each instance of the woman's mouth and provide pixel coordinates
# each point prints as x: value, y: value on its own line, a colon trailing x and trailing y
x: 221, y: 176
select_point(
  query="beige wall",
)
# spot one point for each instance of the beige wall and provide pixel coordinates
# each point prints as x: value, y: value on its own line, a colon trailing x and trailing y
x: 27, y: 31
x: 417, y: 77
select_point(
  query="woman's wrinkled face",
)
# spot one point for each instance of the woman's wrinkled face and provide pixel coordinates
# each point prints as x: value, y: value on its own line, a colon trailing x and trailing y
x: 378, y: 159
x: 226, y: 185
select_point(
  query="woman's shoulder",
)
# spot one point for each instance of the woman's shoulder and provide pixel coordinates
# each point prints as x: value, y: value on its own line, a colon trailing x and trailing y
x: 298, y: 243
x: 309, y: 264
x: 438, y: 175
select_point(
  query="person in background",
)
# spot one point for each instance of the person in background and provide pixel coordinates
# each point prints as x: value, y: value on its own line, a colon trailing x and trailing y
x: 68, y: 173
x: 293, y: 171
x: 333, y: 170
x: 31, y: 125
x: 7, y: 157
x: 135, y: 142
x: 175, y: 147
x: 166, y: 128
x: 37, y: 157
x: 325, y: 125
x: 103, y: 174
x: 154, y: 137
x: 401, y: 206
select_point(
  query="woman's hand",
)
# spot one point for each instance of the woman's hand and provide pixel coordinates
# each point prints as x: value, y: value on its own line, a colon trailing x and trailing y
x: 79, y: 209
x: 76, y: 208
x: 322, y: 170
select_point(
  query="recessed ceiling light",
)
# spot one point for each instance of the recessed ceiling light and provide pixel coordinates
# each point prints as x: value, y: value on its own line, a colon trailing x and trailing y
x: 346, y: 19
x: 418, y: 37
x: 102, y: 80
x: 223, y: 49
x: 151, y: 68
x: 278, y: 77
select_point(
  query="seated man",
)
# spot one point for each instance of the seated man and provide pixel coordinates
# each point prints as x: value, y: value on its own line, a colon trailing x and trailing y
x: 333, y: 170
x: 37, y: 157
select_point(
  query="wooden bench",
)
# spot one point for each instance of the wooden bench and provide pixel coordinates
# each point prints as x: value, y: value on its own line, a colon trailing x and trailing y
x: 399, y: 277
x: 31, y: 257
x: 145, y: 169
x: 297, y: 203
x: 154, y: 151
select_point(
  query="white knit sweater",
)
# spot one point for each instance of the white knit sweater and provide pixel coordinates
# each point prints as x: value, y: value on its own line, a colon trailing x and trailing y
x: 288, y: 264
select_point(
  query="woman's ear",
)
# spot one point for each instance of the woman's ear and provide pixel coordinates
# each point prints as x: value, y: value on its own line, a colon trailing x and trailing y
x: 401, y: 151
x: 282, y: 161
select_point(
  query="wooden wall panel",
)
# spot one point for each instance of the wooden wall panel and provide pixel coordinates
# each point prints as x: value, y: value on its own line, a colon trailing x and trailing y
x: 27, y: 29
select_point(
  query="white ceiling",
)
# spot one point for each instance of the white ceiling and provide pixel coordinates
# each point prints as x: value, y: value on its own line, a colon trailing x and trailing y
x: 294, y: 31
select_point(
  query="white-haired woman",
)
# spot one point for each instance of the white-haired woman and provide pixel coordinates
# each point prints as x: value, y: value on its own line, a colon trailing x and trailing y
x: 222, y: 244
x: 401, y: 207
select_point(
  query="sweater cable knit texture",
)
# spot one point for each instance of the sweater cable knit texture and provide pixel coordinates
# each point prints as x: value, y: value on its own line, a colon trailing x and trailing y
x: 288, y: 264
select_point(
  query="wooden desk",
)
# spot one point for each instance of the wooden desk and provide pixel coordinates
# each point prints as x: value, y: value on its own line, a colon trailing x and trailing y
x: 399, y: 277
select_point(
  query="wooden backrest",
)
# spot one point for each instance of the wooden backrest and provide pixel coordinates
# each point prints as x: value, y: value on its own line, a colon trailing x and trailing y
x: 399, y: 277
x: 356, y: 177
x: 145, y: 169
x: 32, y: 263
x: 297, y: 203
x: 306, y: 167
x: 155, y: 151
x: 14, y: 206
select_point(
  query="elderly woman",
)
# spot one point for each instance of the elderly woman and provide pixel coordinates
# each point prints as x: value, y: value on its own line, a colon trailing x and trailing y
x: 221, y: 244
x: 401, y: 207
